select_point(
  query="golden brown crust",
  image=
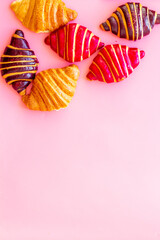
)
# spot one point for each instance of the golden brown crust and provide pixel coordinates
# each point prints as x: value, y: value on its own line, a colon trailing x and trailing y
x: 43, y: 15
x: 52, y: 89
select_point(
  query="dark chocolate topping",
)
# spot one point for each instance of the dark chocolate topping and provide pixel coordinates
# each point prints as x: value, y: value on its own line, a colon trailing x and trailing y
x: 19, y: 64
x: 19, y: 42
x: 21, y: 76
x: 14, y: 52
x: 133, y: 21
x: 19, y: 33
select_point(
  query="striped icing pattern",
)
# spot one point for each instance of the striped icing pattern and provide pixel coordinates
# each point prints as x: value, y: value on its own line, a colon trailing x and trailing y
x: 43, y: 15
x: 131, y: 21
x: 18, y: 63
x: 52, y: 89
x: 114, y: 63
x: 74, y: 42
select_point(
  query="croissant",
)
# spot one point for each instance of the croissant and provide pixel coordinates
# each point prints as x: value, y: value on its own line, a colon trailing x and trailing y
x: 52, y: 89
x: 131, y: 21
x: 114, y: 63
x: 43, y: 15
x: 74, y: 42
x: 18, y: 63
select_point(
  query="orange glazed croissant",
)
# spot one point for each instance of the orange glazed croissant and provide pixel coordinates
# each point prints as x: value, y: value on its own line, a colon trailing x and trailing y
x: 114, y: 63
x: 74, y: 42
x: 52, y: 89
x: 131, y: 21
x: 43, y: 15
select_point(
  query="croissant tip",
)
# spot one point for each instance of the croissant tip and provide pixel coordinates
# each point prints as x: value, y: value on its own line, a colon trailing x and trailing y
x: 72, y: 14
x: 104, y: 26
x: 22, y: 93
x: 90, y: 76
x: 47, y: 40
x: 74, y: 66
x: 142, y: 54
x: 101, y: 26
x: 19, y: 33
x: 101, y: 45
x: 75, y: 14
x: 158, y: 19
x: 75, y: 70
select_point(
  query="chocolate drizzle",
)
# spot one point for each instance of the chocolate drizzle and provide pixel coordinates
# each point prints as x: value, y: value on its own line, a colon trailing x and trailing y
x: 131, y: 21
x: 18, y: 63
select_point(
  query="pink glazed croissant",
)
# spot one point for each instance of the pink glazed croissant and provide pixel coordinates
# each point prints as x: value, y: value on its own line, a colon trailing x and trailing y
x: 74, y: 42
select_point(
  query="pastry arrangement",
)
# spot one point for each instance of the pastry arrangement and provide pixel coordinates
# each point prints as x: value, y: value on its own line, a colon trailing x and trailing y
x: 53, y: 89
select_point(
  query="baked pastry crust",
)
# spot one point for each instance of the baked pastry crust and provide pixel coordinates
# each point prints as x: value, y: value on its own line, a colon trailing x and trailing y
x: 52, y: 89
x: 114, y: 63
x: 43, y: 15
x: 18, y: 63
x: 74, y: 42
x: 131, y: 21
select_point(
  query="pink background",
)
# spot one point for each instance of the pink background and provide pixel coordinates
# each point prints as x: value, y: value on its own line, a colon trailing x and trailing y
x: 91, y: 171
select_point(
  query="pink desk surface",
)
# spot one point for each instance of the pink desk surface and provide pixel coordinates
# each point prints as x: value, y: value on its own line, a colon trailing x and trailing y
x: 91, y: 171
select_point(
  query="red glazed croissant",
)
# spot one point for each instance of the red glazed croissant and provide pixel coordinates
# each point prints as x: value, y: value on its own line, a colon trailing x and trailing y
x: 114, y: 63
x: 131, y: 21
x: 18, y: 63
x: 74, y: 42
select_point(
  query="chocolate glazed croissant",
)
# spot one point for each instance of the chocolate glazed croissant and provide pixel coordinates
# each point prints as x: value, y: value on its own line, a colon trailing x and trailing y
x: 131, y: 21
x: 114, y: 63
x: 74, y: 42
x: 18, y: 63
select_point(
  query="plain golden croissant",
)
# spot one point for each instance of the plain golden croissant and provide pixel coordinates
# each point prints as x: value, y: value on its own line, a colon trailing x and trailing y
x: 52, y: 89
x: 43, y: 15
